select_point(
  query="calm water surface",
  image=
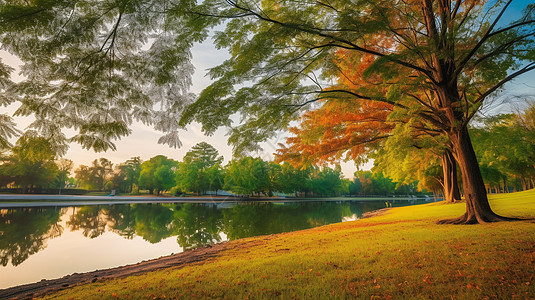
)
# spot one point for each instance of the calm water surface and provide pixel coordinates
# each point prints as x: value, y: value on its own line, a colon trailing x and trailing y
x: 50, y: 242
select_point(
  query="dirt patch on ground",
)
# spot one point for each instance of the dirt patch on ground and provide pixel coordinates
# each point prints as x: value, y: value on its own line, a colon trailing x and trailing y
x: 43, y: 287
x: 375, y: 213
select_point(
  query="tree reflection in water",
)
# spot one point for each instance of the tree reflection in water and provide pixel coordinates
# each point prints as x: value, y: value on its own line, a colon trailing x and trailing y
x: 196, y: 224
x: 24, y: 231
x: 153, y: 222
x: 122, y: 220
x: 255, y: 219
x: 92, y: 220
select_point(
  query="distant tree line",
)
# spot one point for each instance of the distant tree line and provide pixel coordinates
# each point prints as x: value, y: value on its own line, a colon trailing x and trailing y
x: 504, y: 145
x: 31, y: 165
x: 505, y: 148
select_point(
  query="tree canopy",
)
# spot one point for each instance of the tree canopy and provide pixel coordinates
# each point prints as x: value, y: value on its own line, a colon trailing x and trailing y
x: 200, y: 170
x: 95, y: 66
x: 435, y: 62
x: 158, y: 174
x: 505, y: 146
x: 95, y: 176
x: 31, y: 163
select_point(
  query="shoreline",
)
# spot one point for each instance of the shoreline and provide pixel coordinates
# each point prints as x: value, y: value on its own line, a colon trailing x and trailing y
x: 386, y: 254
x: 48, y: 286
x: 17, y: 200
x: 182, y: 259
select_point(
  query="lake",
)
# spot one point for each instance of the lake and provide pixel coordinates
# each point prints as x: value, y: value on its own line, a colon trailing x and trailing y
x: 50, y: 242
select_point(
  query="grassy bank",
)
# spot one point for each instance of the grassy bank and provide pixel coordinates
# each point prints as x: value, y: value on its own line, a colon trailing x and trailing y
x: 401, y: 254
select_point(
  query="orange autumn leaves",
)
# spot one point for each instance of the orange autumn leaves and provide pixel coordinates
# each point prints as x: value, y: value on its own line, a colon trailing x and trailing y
x: 342, y: 128
x: 352, y: 128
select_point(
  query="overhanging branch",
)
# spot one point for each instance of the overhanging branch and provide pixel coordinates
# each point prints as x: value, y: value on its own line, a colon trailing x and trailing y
x: 526, y: 69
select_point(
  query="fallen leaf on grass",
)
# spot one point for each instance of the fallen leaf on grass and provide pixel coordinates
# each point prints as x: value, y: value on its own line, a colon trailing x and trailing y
x: 428, y: 279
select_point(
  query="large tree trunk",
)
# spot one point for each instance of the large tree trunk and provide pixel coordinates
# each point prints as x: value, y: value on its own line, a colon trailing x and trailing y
x: 451, y: 186
x: 477, y: 205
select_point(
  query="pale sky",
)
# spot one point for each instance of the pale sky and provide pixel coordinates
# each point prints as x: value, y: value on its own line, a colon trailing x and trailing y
x: 143, y: 140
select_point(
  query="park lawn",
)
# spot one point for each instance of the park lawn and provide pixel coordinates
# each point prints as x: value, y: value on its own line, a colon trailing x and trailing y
x: 400, y: 254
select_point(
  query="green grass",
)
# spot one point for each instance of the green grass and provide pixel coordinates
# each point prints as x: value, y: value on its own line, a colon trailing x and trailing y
x: 402, y: 254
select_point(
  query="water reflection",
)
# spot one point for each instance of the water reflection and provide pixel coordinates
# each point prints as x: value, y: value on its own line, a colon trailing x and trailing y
x: 92, y: 220
x: 25, y: 231
x: 196, y: 224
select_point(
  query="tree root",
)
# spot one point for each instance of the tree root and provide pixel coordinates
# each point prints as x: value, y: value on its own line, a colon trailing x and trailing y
x: 477, y: 219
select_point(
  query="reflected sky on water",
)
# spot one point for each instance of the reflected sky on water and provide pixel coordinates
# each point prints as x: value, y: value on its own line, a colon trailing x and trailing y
x: 50, y: 242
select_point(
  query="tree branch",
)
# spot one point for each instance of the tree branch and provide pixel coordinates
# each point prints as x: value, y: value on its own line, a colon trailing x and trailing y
x: 527, y: 68
x: 322, y: 33
x: 485, y: 37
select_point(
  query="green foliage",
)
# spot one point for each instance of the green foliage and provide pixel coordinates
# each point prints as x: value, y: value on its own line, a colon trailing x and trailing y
x: 126, y: 174
x: 64, y: 169
x: 376, y: 183
x: 157, y: 174
x: 95, y: 176
x: 200, y: 170
x: 96, y: 66
x: 292, y: 180
x: 355, y: 188
x: 326, y: 182
x: 7, y: 126
x: 408, y: 160
x: 31, y: 163
x: 505, y: 146
x: 203, y: 154
x: 247, y: 176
